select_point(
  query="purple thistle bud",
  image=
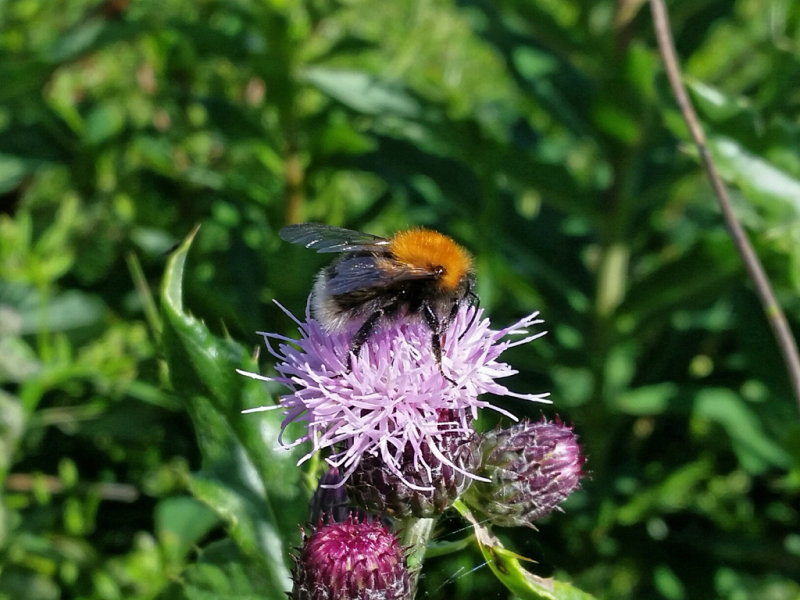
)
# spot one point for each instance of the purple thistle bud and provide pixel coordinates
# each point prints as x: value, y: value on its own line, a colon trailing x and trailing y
x: 421, y: 492
x: 532, y: 468
x: 389, y: 403
x: 330, y: 501
x: 352, y: 560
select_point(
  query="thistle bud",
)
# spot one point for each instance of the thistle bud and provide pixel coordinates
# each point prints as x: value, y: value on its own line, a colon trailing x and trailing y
x: 352, y: 560
x: 532, y: 468
x: 423, y: 490
x: 330, y: 501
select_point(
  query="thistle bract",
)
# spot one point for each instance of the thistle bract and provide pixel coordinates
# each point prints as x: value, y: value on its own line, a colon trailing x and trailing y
x: 378, y: 490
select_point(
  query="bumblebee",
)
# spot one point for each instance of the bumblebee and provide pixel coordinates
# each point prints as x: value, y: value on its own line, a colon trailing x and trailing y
x: 419, y: 273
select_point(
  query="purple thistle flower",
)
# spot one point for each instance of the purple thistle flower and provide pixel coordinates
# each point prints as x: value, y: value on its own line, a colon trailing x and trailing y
x: 395, y: 393
x: 352, y: 560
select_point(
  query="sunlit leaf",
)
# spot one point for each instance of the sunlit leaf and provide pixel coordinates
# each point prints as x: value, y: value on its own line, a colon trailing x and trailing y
x: 181, y: 523
x: 507, y: 567
x: 761, y: 181
x: 223, y: 572
x: 103, y: 122
x: 12, y: 171
x: 755, y: 448
x: 238, y: 463
x: 364, y: 93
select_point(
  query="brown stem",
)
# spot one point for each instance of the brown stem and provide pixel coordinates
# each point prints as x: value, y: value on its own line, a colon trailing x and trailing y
x: 294, y: 185
x: 775, y: 315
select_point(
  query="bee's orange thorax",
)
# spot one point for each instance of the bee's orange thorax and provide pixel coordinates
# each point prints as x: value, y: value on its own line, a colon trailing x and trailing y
x: 427, y: 249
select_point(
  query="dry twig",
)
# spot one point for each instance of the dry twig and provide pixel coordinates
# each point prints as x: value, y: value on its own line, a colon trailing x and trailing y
x: 775, y: 315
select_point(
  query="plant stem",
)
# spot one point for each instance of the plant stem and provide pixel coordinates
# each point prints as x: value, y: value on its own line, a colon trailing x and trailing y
x: 414, y: 535
x: 775, y: 315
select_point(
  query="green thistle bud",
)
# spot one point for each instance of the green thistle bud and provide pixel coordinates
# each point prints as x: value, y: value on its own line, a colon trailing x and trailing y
x: 532, y: 468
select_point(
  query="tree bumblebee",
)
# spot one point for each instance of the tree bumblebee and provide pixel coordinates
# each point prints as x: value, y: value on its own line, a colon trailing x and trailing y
x: 417, y: 273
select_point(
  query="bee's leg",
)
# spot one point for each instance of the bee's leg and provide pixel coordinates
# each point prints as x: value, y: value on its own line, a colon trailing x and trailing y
x: 450, y: 316
x: 473, y: 301
x: 432, y: 321
x: 362, y: 335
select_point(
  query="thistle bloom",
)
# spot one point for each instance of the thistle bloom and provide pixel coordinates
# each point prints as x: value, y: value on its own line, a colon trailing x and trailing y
x: 390, y: 402
x: 352, y: 560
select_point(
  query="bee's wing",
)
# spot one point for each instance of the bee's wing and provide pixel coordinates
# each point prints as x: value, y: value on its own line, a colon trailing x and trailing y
x: 327, y: 238
x: 353, y: 273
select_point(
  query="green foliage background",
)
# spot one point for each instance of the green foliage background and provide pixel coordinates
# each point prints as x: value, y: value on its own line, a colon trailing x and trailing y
x: 541, y: 134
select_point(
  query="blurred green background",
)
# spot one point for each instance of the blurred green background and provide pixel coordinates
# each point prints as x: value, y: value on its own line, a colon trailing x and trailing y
x: 540, y: 134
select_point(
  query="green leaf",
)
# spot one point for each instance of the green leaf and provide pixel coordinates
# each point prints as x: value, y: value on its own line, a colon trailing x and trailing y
x: 255, y: 534
x: 12, y: 171
x: 77, y: 40
x: 90, y: 34
x: 364, y: 93
x: 244, y: 479
x: 761, y: 181
x: 755, y: 448
x: 22, y: 78
x: 18, y: 582
x: 507, y: 567
x: 674, y: 493
x: 716, y: 105
x: 181, y: 523
x: 35, y: 313
x: 18, y: 360
x: 12, y: 427
x: 223, y: 573
x: 735, y: 129
x: 690, y: 279
x: 103, y: 122
x: 648, y: 400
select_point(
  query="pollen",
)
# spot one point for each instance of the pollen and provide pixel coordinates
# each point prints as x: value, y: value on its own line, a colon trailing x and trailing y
x: 428, y: 249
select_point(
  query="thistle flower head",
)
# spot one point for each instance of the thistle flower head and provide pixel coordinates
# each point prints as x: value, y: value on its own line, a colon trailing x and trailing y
x: 530, y: 468
x: 378, y: 490
x: 391, y: 400
x: 352, y: 560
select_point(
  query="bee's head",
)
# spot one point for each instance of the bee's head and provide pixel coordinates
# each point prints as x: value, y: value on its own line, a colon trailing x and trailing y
x: 426, y: 249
